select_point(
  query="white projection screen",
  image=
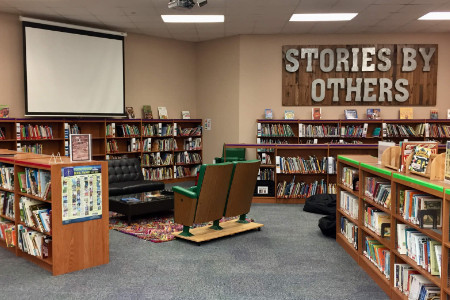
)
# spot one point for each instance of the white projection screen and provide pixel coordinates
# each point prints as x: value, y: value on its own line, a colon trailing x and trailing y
x: 72, y: 72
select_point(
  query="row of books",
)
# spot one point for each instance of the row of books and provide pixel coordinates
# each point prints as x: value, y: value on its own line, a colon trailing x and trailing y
x: 157, y: 129
x: 266, y: 174
x: 112, y: 146
x: 378, y: 254
x: 414, y: 285
x: 413, y: 201
x: 195, y: 131
x: 374, y: 218
x: 270, y: 141
x: 181, y: 171
x: 35, y: 214
x: 188, y: 158
x: 265, y: 158
x: 310, y: 165
x: 157, y: 159
x: 6, y: 176
x: 192, y: 144
x: 2, y: 133
x: 275, y: 130
x: 134, y: 145
x: 350, y: 231
x: 36, y: 148
x: 35, y: 182
x: 125, y: 130
x: 425, y: 251
x: 36, y: 132
x: 71, y: 129
x: 33, y: 242
x: 7, y: 204
x: 294, y: 189
x: 437, y: 131
x: 323, y: 130
x: 350, y: 178
x: 379, y: 190
x: 164, y: 145
x: 399, y: 130
x: 158, y: 173
x: 355, y: 131
x: 8, y: 232
x: 350, y: 204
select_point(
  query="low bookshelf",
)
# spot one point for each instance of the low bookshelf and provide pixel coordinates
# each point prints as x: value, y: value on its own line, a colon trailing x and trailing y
x: 47, y: 211
x: 378, y: 224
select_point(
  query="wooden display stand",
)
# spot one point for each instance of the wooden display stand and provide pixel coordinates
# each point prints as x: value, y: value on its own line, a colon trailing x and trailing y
x: 391, y: 158
x: 74, y: 246
x: 435, y: 167
x: 203, y: 234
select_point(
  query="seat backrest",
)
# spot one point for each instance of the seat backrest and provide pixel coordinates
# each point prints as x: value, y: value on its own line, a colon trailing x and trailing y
x: 234, y: 153
x: 125, y: 169
x: 242, y: 187
x: 213, y: 184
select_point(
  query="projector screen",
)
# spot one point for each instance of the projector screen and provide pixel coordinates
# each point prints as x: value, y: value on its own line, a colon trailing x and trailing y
x: 72, y: 72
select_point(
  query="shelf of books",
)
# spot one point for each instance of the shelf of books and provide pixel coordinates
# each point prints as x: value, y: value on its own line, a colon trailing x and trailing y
x: 44, y: 203
x: 358, y: 131
x: 170, y: 149
x: 395, y: 226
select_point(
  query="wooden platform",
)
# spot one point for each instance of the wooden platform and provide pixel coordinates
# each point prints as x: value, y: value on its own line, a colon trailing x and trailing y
x: 203, y: 234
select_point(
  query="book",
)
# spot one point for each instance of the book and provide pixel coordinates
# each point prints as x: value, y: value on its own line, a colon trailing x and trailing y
x: 268, y: 114
x: 289, y: 115
x: 316, y: 113
x: 373, y: 113
x: 130, y: 112
x: 147, y: 112
x: 376, y: 132
x: 185, y: 114
x: 447, y: 162
x: 4, y: 111
x: 80, y: 147
x: 420, y: 159
x: 162, y: 111
x: 406, y: 113
x: 351, y: 114
x: 408, y: 147
x: 434, y: 114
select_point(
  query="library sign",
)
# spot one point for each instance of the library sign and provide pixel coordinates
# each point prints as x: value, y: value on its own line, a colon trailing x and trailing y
x: 360, y: 75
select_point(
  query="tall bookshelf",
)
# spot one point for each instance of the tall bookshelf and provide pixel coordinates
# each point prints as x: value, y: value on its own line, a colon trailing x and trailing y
x: 112, y: 139
x: 89, y: 239
x: 360, y: 234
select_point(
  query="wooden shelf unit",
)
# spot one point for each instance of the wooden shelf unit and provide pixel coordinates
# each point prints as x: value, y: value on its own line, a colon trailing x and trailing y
x: 97, y: 127
x: 74, y: 246
x: 367, y: 166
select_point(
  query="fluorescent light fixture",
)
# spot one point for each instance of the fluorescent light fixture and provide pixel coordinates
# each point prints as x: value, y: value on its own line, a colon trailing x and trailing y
x: 193, y: 18
x: 444, y: 15
x: 322, y: 17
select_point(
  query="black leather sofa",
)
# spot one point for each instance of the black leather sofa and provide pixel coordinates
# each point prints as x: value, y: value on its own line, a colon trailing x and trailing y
x: 125, y: 177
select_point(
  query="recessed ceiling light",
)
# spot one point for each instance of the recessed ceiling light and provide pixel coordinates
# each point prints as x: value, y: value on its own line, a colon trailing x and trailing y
x: 193, y: 18
x: 444, y: 15
x: 322, y: 17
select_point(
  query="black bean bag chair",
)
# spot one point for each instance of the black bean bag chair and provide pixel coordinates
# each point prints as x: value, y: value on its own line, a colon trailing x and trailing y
x: 324, y: 204
x: 327, y: 225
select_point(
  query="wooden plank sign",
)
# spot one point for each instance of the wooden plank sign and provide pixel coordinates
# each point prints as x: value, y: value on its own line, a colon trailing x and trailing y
x: 383, y: 74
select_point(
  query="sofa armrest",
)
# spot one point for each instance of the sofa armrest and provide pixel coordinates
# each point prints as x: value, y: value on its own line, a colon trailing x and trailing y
x: 185, y: 192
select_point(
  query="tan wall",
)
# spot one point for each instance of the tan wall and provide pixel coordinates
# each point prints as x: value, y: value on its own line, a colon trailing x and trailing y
x: 218, y: 93
x: 11, y: 65
x: 260, y: 76
x: 158, y: 72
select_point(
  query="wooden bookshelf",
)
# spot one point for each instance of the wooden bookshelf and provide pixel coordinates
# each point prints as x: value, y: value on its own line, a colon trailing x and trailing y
x: 18, y: 134
x: 368, y: 169
x: 89, y: 239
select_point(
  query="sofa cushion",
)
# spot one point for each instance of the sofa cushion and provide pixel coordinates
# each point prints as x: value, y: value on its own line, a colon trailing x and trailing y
x: 132, y: 187
x: 126, y: 169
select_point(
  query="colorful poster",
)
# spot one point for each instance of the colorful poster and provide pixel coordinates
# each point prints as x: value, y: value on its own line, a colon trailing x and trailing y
x: 81, y: 193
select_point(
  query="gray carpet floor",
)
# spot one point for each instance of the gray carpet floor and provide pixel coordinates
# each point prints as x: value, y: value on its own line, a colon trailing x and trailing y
x: 288, y: 259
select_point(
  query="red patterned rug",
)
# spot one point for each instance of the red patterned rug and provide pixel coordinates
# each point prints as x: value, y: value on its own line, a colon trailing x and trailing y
x: 156, y: 229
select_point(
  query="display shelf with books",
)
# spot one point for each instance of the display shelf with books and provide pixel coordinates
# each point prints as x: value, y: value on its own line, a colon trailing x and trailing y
x: 8, y: 134
x: 414, y: 242
x: 41, y: 202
